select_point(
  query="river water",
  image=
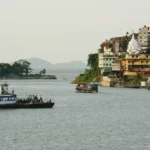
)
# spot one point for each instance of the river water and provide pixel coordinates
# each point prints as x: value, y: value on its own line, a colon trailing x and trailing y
x: 112, y: 119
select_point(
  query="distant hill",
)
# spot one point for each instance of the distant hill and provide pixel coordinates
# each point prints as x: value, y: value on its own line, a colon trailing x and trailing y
x: 37, y: 63
x: 71, y: 64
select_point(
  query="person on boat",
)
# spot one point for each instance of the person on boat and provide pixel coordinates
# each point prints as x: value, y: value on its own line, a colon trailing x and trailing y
x: 12, y: 90
x: 29, y: 98
x: 35, y: 97
x: 32, y: 98
x: 41, y: 100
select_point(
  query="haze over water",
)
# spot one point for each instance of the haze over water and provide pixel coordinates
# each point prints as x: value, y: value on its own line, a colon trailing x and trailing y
x: 112, y: 119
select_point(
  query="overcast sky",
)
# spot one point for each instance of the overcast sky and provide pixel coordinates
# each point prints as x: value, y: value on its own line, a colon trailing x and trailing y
x: 65, y: 30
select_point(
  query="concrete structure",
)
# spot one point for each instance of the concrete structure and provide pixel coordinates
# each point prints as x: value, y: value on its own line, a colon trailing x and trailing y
x: 116, y: 66
x: 116, y: 43
x: 105, y: 61
x: 137, y: 64
x: 144, y: 36
x: 105, y: 81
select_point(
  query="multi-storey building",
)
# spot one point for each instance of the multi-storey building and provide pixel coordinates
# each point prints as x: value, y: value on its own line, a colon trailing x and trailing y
x: 144, y: 36
x: 105, y: 62
x: 137, y: 64
x: 116, y: 43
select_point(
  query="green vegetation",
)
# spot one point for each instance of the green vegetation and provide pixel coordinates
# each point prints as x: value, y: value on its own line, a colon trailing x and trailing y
x: 133, y: 81
x: 21, y: 70
x: 124, y: 44
x: 101, y: 50
x: 91, y: 74
x: 43, y: 72
x: 137, y: 80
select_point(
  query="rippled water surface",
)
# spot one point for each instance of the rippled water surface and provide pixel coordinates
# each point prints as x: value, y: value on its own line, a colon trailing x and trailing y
x: 112, y: 119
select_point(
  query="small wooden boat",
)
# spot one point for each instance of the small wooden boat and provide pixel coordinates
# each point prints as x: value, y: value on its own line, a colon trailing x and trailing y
x: 87, y: 88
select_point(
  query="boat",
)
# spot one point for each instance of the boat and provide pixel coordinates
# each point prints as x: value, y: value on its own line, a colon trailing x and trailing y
x: 87, y: 88
x: 10, y: 100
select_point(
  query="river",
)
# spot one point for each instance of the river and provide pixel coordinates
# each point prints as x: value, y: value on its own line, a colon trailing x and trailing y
x: 112, y: 119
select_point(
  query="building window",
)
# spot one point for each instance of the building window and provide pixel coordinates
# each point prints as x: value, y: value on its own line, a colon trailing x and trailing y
x: 106, y: 64
x: 146, y: 61
x: 132, y: 56
x: 113, y: 58
x: 109, y: 64
x: 106, y: 58
x: 141, y: 61
x: 146, y: 56
x: 109, y: 58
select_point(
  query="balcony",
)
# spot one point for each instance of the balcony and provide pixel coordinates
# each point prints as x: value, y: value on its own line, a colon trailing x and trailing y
x: 139, y: 69
x: 139, y: 63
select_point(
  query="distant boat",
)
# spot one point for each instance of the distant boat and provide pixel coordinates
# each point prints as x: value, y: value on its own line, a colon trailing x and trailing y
x: 87, y: 88
x: 9, y: 100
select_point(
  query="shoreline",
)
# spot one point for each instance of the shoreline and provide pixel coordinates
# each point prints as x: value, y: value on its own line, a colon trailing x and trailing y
x: 29, y: 77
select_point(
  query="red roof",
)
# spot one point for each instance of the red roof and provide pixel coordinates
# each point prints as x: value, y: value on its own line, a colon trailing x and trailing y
x: 116, y: 38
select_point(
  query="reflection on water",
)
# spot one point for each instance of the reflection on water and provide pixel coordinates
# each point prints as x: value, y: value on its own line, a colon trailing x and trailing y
x: 112, y: 119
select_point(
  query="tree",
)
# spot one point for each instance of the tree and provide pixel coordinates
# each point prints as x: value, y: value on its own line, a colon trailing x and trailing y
x: 21, y: 67
x: 127, y: 33
x: 125, y: 78
x: 43, y: 72
x: 93, y: 61
x: 5, y: 69
x: 124, y: 44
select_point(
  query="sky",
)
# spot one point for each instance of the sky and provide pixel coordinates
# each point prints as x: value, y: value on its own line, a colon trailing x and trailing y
x: 65, y: 30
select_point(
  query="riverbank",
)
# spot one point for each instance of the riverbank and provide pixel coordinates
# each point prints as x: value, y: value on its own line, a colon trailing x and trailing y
x: 15, y: 77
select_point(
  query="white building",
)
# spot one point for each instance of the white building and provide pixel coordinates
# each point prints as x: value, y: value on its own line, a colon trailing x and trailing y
x: 116, y: 66
x: 144, y: 36
x: 133, y: 46
x: 106, y: 59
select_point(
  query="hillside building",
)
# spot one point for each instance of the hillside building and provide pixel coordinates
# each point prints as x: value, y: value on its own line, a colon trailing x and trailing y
x: 106, y: 60
x: 144, y: 36
x: 137, y: 64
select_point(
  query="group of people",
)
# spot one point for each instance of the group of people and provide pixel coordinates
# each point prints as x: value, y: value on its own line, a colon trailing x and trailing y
x: 35, y: 99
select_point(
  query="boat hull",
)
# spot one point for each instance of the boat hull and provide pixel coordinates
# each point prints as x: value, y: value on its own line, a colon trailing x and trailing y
x: 38, y: 105
x: 85, y: 91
